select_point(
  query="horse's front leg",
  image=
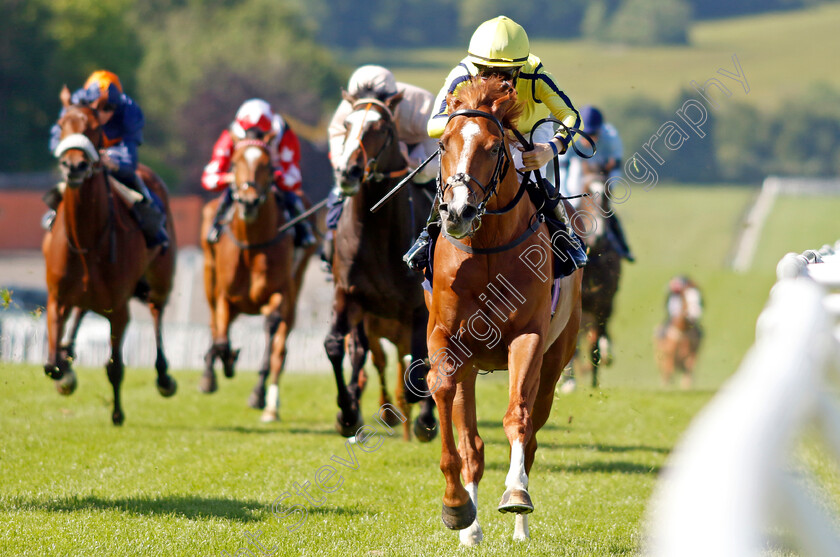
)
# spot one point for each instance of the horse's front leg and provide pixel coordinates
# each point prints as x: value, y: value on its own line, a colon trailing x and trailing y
x: 347, y: 418
x: 425, y: 426
x: 471, y: 450
x: 459, y: 511
x: 55, y: 366
x: 524, y: 362
x: 119, y: 320
x: 67, y: 353
x: 166, y: 384
x: 277, y: 327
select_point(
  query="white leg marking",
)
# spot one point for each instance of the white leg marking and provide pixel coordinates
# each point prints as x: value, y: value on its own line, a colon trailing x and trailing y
x: 272, y: 398
x: 520, y: 529
x: 517, y: 478
x: 472, y: 535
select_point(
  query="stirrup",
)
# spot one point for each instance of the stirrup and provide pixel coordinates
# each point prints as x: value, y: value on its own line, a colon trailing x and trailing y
x: 417, y: 256
x: 48, y: 219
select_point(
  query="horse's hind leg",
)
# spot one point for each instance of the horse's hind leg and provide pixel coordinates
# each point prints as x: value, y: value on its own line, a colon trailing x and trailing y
x: 278, y: 329
x: 119, y: 321
x: 358, y: 346
x: 380, y: 362
x: 166, y: 384
x: 471, y: 450
x: 67, y: 352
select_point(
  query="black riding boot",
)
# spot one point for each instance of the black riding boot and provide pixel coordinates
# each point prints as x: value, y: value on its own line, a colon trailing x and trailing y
x: 303, y: 229
x: 620, y: 239
x: 417, y: 256
x: 216, y: 227
x: 150, y: 218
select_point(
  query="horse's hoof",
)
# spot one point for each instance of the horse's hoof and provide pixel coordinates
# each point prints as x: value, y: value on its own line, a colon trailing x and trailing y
x: 458, y: 518
x: 257, y: 399
x: 118, y: 418
x: 66, y: 386
x: 391, y: 419
x: 423, y: 432
x: 270, y: 416
x: 345, y: 429
x: 168, y: 388
x: 207, y: 384
x: 229, y: 362
x: 568, y: 386
x: 516, y: 501
x: 53, y: 371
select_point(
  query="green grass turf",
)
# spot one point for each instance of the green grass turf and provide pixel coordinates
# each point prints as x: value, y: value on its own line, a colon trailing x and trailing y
x: 780, y: 53
x: 192, y: 474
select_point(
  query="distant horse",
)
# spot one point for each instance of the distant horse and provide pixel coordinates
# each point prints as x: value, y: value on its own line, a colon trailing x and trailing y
x: 96, y: 256
x: 368, y: 272
x: 677, y: 342
x: 600, y: 281
x: 490, y: 304
x: 252, y: 270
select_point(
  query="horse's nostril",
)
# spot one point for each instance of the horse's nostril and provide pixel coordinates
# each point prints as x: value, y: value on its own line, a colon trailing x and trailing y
x: 354, y: 172
x: 82, y: 165
x: 443, y: 207
x: 469, y: 212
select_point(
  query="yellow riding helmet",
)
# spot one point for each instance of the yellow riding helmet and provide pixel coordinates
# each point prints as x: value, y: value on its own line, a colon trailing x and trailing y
x: 499, y: 42
x: 103, y: 83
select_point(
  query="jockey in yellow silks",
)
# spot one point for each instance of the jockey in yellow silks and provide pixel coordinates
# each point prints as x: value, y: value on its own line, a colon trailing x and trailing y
x: 500, y: 47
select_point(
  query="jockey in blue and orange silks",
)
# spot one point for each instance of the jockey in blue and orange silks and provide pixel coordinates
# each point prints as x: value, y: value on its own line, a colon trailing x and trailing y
x: 122, y: 132
x: 500, y: 47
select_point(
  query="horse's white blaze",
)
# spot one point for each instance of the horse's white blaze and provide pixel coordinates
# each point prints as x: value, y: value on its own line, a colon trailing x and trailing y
x: 356, y: 122
x: 252, y: 155
x: 517, y: 478
x: 472, y: 535
x: 520, y: 529
x: 469, y: 132
x: 272, y: 398
x: 460, y: 199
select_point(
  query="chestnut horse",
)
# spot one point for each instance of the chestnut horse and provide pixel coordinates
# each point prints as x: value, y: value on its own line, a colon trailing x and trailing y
x: 676, y: 344
x: 96, y: 256
x: 490, y: 304
x: 368, y: 272
x: 252, y: 270
x: 600, y: 281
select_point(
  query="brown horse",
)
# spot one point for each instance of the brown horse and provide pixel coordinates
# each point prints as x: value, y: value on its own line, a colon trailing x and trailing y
x: 368, y: 272
x: 600, y: 281
x: 252, y: 270
x: 676, y: 344
x: 490, y: 304
x: 96, y: 256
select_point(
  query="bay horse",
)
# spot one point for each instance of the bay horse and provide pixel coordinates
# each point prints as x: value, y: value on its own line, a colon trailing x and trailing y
x: 252, y: 270
x: 677, y: 342
x: 602, y: 276
x: 96, y: 256
x: 490, y: 304
x: 369, y: 275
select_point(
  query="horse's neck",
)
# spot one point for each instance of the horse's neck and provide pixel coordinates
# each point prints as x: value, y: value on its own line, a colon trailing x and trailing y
x: 496, y: 230
x: 390, y: 224
x: 86, y: 211
x: 261, y: 229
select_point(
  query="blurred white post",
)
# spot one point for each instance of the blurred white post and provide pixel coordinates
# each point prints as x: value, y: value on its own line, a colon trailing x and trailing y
x: 727, y: 484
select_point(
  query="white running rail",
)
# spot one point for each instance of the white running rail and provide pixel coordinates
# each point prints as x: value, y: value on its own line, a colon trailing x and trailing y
x: 730, y: 483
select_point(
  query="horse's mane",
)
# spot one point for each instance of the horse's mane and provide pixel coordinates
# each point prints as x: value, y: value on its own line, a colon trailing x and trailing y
x: 494, y: 92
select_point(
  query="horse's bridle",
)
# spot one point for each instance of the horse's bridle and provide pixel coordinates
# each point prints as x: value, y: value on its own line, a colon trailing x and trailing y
x: 370, y: 171
x: 499, y: 171
x: 244, y: 144
x: 82, y: 142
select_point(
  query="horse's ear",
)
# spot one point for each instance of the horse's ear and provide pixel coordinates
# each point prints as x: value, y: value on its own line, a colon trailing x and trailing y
x: 392, y: 101
x: 348, y: 97
x: 65, y: 96
x: 503, y: 104
x: 452, y: 102
x: 269, y: 137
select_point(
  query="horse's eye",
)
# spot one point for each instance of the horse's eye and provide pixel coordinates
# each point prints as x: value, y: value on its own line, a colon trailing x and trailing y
x: 495, y: 150
x: 441, y: 147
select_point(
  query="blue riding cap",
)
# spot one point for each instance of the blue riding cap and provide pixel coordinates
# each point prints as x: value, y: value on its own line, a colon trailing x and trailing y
x: 592, y: 119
